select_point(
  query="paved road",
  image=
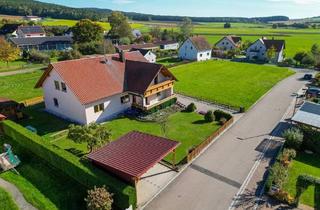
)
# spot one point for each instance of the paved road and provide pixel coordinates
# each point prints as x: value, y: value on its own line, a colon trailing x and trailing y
x: 216, y: 176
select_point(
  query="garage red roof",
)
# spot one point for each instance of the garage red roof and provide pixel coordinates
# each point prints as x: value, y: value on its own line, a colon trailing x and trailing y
x: 133, y: 154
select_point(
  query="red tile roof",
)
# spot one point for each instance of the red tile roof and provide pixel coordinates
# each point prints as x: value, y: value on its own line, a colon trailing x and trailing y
x: 92, y: 79
x: 200, y: 43
x: 133, y: 154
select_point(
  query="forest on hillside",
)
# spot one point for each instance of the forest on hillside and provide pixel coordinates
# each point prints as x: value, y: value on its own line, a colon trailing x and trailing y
x: 31, y: 7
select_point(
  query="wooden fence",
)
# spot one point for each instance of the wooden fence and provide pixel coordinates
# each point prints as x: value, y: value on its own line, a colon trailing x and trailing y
x: 33, y: 101
x: 196, y: 151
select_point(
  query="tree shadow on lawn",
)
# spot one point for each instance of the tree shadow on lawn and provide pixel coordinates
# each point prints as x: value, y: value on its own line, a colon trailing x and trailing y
x: 309, y: 159
x: 44, y: 122
x: 199, y: 122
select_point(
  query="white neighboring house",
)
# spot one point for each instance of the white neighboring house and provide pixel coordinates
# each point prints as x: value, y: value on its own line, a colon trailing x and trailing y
x: 147, y: 54
x: 229, y: 43
x: 30, y: 31
x: 136, y: 33
x: 32, y: 18
x: 259, y: 49
x: 195, y: 48
x: 99, y: 88
x: 168, y: 45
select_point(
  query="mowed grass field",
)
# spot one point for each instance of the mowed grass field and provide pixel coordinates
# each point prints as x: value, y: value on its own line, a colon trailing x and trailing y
x: 230, y: 83
x: 21, y: 86
x: 6, y: 201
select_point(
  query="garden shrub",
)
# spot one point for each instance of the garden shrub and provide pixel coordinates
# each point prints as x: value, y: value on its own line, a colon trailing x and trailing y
x: 80, y: 170
x: 38, y: 57
x: 99, y: 199
x: 221, y: 114
x: 209, y: 117
x: 311, y: 139
x: 286, y: 156
x: 303, y: 182
x: 279, y: 174
x: 191, y: 107
x: 223, y: 121
x: 294, y: 138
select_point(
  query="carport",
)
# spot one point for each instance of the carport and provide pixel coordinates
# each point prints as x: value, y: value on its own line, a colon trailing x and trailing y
x: 136, y: 156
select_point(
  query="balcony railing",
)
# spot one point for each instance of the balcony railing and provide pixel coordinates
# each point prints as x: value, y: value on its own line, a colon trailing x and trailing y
x: 154, y: 89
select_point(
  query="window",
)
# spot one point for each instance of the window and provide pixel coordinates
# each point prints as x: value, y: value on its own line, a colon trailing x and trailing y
x: 125, y: 99
x: 191, y: 48
x: 57, y: 85
x: 200, y: 54
x: 98, y: 108
x: 156, y: 80
x: 63, y: 87
x: 208, y: 54
x: 159, y: 94
x: 56, y: 102
x: 222, y: 43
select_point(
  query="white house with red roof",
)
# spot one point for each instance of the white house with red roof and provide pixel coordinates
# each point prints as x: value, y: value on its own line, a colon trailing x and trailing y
x: 195, y: 48
x: 229, y: 43
x: 99, y: 88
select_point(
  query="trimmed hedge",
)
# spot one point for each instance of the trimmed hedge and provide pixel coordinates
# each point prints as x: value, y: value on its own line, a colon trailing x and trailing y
x: 162, y: 106
x: 82, y: 171
x: 221, y: 114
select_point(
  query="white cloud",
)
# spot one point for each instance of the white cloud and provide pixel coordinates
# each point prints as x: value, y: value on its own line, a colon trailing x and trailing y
x: 300, y: 2
x: 122, y: 1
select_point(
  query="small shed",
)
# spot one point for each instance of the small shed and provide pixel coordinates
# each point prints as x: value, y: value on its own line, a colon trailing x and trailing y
x: 10, y: 108
x: 308, y: 114
x: 133, y: 154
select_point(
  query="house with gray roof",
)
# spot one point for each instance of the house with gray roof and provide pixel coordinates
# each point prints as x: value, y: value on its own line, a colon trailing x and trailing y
x: 30, y: 31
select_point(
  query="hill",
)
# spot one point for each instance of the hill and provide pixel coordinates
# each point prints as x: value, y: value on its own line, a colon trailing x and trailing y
x: 31, y: 7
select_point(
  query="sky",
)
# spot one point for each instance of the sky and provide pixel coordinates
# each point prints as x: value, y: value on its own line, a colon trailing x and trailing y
x: 205, y: 8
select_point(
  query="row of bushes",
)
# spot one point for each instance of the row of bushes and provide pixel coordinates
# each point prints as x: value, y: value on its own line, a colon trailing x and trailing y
x: 82, y: 171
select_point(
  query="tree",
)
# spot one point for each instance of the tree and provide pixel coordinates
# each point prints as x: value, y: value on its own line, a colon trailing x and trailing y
x: 95, y: 135
x: 209, y: 117
x: 165, y: 35
x: 124, y: 41
x: 120, y: 26
x: 99, y: 198
x: 186, y: 27
x: 155, y: 32
x: 147, y: 38
x: 8, y: 52
x: 245, y: 44
x: 274, y: 26
x: 87, y: 31
x: 108, y: 47
x: 69, y: 55
x: 308, y: 60
x: 293, y: 137
x: 227, y: 25
x: 315, y: 50
x: 271, y: 53
x: 299, y: 56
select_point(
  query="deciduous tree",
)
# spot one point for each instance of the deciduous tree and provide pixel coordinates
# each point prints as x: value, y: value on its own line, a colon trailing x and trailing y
x: 120, y: 26
x: 95, y: 135
x: 186, y: 27
x: 99, y: 199
x: 87, y: 31
x: 8, y: 52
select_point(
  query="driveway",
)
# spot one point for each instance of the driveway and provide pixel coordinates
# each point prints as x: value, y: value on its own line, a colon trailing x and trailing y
x: 213, y: 179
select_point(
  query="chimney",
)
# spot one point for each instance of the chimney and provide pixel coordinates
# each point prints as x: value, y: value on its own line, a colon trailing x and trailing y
x: 122, y: 56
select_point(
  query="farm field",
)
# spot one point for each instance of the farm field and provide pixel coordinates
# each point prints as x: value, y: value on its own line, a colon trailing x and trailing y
x: 303, y: 164
x: 70, y: 23
x: 229, y: 83
x: 21, y: 86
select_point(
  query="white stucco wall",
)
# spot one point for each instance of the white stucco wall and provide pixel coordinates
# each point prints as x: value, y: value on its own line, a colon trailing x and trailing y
x: 189, y: 52
x: 174, y: 46
x: 259, y: 50
x: 69, y: 106
x: 20, y: 34
x: 112, y: 108
x: 151, y: 57
x: 225, y: 44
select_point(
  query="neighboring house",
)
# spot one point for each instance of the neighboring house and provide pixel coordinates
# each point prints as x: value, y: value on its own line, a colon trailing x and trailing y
x: 32, y: 18
x: 195, y: 48
x: 148, y: 54
x: 136, y: 33
x: 259, y: 49
x: 43, y: 43
x: 168, y: 45
x: 99, y: 88
x: 308, y: 115
x: 9, y: 29
x: 30, y: 31
x: 229, y: 43
x: 146, y: 46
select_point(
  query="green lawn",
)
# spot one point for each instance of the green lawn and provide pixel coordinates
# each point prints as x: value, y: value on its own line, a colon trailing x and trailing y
x: 231, y: 83
x: 303, y: 164
x: 21, y: 86
x: 44, y: 187
x: 168, y: 61
x: 187, y: 128
x: 17, y: 65
x: 6, y: 201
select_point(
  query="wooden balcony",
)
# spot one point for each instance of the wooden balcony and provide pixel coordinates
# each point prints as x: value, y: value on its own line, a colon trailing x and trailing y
x: 154, y: 89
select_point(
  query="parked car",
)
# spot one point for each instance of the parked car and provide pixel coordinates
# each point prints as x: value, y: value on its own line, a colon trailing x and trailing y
x: 313, y: 92
x: 307, y: 76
